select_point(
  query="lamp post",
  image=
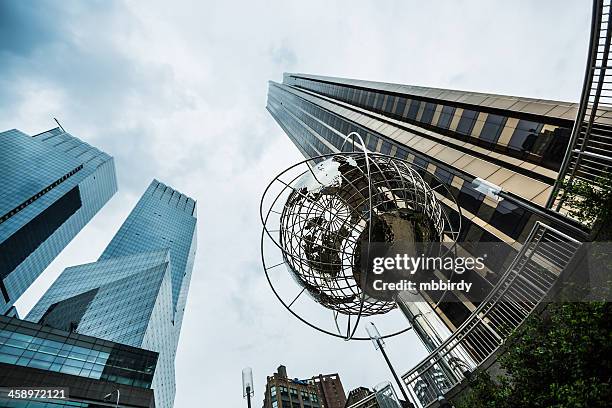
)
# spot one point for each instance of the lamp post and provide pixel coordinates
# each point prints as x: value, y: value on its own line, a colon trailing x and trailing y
x: 379, y: 344
x: 247, y: 385
x: 110, y: 394
x: 443, y: 402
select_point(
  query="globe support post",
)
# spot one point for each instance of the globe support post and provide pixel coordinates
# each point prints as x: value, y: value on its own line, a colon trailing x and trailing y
x: 395, y: 376
x: 380, y: 344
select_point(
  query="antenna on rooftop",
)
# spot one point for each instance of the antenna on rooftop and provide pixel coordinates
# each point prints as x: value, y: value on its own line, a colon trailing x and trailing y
x: 59, y: 124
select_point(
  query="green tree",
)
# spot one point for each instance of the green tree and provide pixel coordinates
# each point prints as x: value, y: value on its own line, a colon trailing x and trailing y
x: 561, y: 359
x: 591, y: 203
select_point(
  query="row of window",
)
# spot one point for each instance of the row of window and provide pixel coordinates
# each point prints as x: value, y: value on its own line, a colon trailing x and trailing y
x: 30, y: 351
x: 289, y: 397
x: 535, y: 142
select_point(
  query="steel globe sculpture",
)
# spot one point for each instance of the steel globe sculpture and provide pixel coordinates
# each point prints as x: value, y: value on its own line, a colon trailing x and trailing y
x: 330, y: 209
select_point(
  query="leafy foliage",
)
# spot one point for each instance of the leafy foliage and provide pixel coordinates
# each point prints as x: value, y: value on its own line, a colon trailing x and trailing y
x: 561, y: 360
x: 588, y: 202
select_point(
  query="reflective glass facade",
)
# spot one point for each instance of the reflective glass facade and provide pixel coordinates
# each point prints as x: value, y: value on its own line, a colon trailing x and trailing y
x: 135, y: 293
x: 515, y: 143
x: 52, y: 185
x: 38, y: 356
x: 163, y: 218
x: 27, y: 344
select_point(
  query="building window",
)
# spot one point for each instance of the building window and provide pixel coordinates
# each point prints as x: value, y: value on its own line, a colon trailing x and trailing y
x: 492, y: 128
x: 454, y: 309
x: 372, y: 142
x: 525, y: 135
x: 446, y: 116
x: 555, y: 149
x: 509, y: 218
x: 421, y: 165
x: 414, y: 109
x: 470, y: 199
x: 385, y: 148
x: 389, y: 104
x: 379, y: 102
x: 496, y: 251
x: 428, y: 113
x: 401, y: 105
x: 401, y: 154
x: 371, y: 97
x: 445, y: 178
x: 350, y: 95
x: 467, y: 121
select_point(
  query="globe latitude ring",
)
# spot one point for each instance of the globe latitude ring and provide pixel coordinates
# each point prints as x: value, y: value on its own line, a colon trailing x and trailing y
x: 332, y: 207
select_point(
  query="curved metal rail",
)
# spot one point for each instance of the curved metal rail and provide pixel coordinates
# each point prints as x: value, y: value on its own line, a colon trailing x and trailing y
x: 589, y: 154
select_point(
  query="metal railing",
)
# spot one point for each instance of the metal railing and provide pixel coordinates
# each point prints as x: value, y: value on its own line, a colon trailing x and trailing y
x: 528, y: 280
x: 589, y: 155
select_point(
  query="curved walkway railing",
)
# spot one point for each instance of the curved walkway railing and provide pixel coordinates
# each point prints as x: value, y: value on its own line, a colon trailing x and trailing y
x: 527, y: 282
x: 589, y: 155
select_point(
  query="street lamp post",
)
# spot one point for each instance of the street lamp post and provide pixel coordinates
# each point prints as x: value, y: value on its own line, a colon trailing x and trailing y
x: 247, y: 385
x: 379, y: 344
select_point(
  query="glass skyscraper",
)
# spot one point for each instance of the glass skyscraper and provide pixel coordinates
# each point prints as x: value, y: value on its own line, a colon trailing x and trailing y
x: 135, y: 293
x: 52, y: 185
x: 464, y: 139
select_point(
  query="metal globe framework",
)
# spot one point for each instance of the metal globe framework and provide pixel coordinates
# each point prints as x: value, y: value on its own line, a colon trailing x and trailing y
x: 323, y: 213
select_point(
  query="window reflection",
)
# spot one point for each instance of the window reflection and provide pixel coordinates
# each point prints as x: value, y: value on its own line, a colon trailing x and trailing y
x: 509, y: 218
x: 525, y: 135
x: 470, y: 199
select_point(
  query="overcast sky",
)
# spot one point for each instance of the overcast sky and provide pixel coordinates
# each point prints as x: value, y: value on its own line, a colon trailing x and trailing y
x: 177, y: 91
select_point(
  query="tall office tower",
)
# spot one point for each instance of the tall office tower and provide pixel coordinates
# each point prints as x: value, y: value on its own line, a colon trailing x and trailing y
x: 499, y: 155
x: 283, y: 392
x: 135, y: 293
x: 52, y: 185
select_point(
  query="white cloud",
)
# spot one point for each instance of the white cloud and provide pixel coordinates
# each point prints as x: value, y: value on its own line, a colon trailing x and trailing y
x: 178, y: 92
